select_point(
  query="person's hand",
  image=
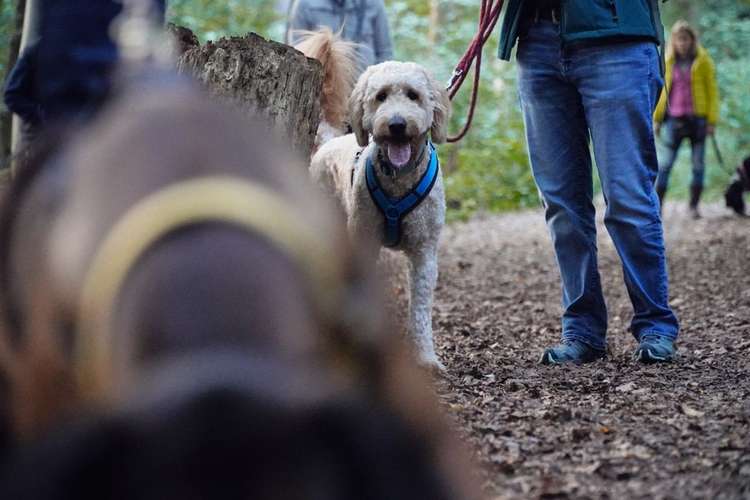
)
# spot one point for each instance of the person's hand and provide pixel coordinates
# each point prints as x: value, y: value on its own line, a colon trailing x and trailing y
x: 710, y: 129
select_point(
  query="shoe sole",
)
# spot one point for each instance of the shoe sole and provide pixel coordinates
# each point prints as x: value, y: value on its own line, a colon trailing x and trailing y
x: 548, y: 360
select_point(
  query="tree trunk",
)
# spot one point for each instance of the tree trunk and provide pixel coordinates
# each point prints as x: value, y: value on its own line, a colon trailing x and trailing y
x: 183, y: 39
x: 434, y: 26
x: 263, y: 77
x: 6, y: 117
x: 30, y: 31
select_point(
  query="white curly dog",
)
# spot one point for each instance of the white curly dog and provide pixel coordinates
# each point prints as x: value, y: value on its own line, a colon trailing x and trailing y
x: 400, y: 203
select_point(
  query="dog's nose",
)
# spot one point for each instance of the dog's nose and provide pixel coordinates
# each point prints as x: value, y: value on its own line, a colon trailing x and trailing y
x: 397, y: 126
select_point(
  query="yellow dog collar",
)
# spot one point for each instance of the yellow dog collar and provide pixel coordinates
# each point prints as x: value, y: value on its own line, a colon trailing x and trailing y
x: 222, y: 199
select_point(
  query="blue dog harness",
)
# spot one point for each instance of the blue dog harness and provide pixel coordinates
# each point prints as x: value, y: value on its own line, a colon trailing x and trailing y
x: 395, y: 209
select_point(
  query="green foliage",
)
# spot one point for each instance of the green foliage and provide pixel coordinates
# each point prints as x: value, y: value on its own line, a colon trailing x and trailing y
x: 212, y: 19
x: 724, y: 27
x: 7, y: 17
x: 488, y: 170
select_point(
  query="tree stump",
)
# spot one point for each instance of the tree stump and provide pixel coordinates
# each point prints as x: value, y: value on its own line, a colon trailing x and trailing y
x: 266, y: 78
x: 183, y: 38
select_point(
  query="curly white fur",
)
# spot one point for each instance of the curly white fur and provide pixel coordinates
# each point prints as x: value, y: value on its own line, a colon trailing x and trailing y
x: 384, y: 94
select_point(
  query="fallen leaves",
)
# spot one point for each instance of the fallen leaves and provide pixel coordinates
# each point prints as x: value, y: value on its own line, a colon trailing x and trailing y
x: 691, y: 412
x: 614, y: 429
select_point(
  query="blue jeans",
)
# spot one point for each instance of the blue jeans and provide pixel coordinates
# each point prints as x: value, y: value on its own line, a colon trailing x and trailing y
x: 678, y: 129
x: 605, y: 93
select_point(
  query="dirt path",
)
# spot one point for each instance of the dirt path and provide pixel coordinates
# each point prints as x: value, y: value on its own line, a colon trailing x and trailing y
x: 614, y: 429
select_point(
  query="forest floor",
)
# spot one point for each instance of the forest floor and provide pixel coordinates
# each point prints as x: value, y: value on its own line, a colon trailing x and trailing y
x: 614, y: 428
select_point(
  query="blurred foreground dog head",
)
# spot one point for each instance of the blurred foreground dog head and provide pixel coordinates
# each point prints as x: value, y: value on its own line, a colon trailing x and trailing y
x: 182, y: 228
x: 222, y: 427
x: 181, y: 231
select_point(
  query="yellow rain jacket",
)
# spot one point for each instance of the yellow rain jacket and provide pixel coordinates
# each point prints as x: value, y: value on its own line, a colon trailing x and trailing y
x: 705, y: 90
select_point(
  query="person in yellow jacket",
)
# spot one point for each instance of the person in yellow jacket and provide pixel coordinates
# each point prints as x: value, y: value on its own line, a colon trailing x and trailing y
x: 688, y: 107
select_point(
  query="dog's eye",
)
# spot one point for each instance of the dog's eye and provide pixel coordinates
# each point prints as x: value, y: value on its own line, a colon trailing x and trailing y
x: 412, y: 95
x: 381, y: 96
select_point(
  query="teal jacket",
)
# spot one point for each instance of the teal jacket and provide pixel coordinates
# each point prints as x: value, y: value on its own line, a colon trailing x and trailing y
x: 590, y: 20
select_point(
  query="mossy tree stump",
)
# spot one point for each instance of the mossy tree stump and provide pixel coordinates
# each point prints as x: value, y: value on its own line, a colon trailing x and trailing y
x: 267, y: 78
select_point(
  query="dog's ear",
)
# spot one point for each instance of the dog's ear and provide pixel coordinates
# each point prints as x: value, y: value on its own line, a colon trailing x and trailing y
x: 357, y: 109
x: 441, y: 112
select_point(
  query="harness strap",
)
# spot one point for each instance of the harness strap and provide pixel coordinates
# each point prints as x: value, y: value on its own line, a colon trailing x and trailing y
x: 395, y: 209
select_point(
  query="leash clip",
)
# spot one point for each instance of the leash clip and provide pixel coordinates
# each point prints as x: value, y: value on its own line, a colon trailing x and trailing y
x: 457, y: 73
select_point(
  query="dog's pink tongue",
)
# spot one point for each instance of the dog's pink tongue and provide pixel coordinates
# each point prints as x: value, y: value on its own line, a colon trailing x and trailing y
x: 399, y: 154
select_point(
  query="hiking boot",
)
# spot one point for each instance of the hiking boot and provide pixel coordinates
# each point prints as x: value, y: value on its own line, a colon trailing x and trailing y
x: 655, y: 348
x: 661, y: 191
x: 695, y: 197
x: 571, y: 351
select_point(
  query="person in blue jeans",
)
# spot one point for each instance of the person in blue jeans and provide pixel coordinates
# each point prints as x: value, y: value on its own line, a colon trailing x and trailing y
x: 590, y: 71
x: 693, y: 111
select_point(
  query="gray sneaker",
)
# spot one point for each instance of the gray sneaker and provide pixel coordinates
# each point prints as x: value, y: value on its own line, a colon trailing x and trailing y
x: 655, y: 348
x: 571, y: 351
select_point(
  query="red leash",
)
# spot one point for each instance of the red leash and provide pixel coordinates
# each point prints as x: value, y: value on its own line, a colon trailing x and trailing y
x: 488, y: 17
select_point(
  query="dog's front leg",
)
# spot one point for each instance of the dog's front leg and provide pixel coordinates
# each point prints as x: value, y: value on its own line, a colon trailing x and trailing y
x: 423, y: 273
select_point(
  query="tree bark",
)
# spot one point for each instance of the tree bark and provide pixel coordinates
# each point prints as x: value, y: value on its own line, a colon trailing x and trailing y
x: 6, y: 117
x: 434, y: 26
x: 183, y: 39
x: 266, y: 78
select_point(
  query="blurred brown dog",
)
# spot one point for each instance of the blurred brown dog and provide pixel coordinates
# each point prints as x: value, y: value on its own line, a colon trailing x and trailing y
x: 180, y: 231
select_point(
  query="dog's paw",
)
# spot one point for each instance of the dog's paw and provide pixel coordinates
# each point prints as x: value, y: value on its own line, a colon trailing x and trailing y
x: 432, y: 363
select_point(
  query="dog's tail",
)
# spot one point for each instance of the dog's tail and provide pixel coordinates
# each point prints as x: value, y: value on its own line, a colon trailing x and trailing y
x: 339, y: 60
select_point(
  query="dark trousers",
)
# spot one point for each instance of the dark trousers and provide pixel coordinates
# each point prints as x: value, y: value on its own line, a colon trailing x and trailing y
x: 679, y: 129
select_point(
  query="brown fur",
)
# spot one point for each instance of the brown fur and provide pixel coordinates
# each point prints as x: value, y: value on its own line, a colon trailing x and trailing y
x: 34, y: 367
x: 121, y: 158
x: 181, y: 297
x: 338, y: 58
x: 124, y: 160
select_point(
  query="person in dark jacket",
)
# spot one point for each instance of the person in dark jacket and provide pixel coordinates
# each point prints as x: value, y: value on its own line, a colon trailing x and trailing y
x: 360, y: 21
x: 589, y: 70
x: 66, y: 73
x: 20, y: 93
